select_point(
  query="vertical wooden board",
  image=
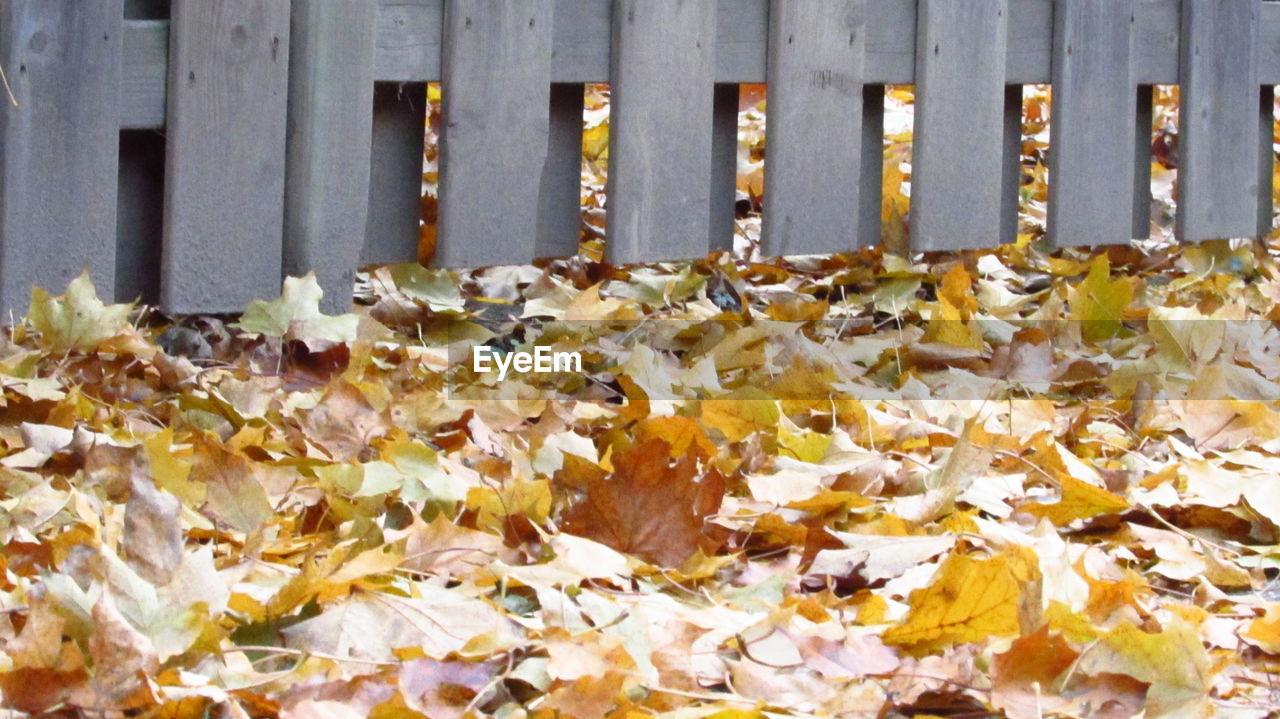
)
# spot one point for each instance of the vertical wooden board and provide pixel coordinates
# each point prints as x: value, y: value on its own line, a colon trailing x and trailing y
x: 813, y: 170
x: 1011, y: 167
x: 144, y: 74
x: 957, y: 174
x: 329, y: 133
x: 1142, y: 129
x: 496, y: 93
x: 560, y: 199
x: 724, y: 167
x: 224, y: 182
x: 1093, y: 125
x: 582, y: 39
x: 409, y: 40
x: 660, y: 145
x: 59, y: 146
x: 1218, y: 116
x: 395, y: 173
x: 1266, y: 157
x: 871, y: 194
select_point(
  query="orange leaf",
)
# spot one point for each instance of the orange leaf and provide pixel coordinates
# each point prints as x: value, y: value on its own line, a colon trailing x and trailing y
x: 650, y: 507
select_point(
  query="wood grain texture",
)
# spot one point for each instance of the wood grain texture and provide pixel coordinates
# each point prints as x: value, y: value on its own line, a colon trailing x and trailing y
x: 144, y: 74
x: 1218, y: 120
x: 496, y: 97
x: 395, y: 175
x: 329, y: 136
x: 813, y: 173
x: 560, y: 199
x: 660, y: 149
x: 224, y: 184
x: 58, y: 146
x: 957, y: 182
x: 409, y: 36
x: 1093, y: 123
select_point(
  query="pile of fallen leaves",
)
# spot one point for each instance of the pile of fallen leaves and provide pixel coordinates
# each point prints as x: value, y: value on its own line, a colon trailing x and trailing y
x: 1012, y: 482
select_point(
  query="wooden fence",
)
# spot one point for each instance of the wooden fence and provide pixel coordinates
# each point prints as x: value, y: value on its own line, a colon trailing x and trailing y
x: 193, y: 151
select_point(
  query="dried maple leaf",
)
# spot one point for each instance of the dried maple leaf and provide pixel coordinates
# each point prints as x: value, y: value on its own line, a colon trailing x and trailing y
x: 970, y: 600
x: 651, y: 507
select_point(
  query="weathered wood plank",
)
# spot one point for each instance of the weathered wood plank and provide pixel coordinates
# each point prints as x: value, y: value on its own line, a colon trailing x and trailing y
x: 395, y: 175
x: 660, y: 144
x: 724, y: 167
x: 957, y: 184
x: 409, y: 42
x: 814, y: 166
x: 1093, y: 105
x: 560, y: 201
x: 1144, y: 118
x: 1218, y: 120
x: 143, y: 74
x: 224, y: 184
x: 496, y: 98
x: 58, y: 145
x: 326, y: 204
x: 870, y: 221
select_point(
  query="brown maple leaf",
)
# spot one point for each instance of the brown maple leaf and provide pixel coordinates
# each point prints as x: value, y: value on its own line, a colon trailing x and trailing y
x: 651, y: 507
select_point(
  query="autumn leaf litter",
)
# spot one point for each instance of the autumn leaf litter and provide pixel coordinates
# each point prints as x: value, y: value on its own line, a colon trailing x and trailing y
x: 1018, y: 482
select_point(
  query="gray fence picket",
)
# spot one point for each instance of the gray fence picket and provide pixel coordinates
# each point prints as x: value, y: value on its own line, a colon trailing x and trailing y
x: 496, y: 96
x: 224, y: 180
x: 1217, y: 120
x: 326, y: 202
x: 816, y: 53
x: 1093, y: 111
x: 143, y: 74
x: 957, y: 174
x: 560, y: 203
x: 395, y: 173
x: 660, y: 147
x: 58, y: 146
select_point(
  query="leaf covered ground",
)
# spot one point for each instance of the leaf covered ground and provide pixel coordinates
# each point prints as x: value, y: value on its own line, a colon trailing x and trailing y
x: 1021, y: 483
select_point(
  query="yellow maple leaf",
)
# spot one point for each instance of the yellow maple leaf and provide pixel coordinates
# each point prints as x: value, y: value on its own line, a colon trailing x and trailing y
x: 948, y: 326
x: 1174, y: 662
x: 741, y: 413
x: 1264, y: 632
x: 970, y: 599
x: 802, y: 444
x: 957, y: 289
x: 1080, y: 500
x: 1099, y: 301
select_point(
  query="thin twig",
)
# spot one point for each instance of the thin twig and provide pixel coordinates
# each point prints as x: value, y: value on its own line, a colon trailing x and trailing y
x: 304, y: 654
x: 8, y: 90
